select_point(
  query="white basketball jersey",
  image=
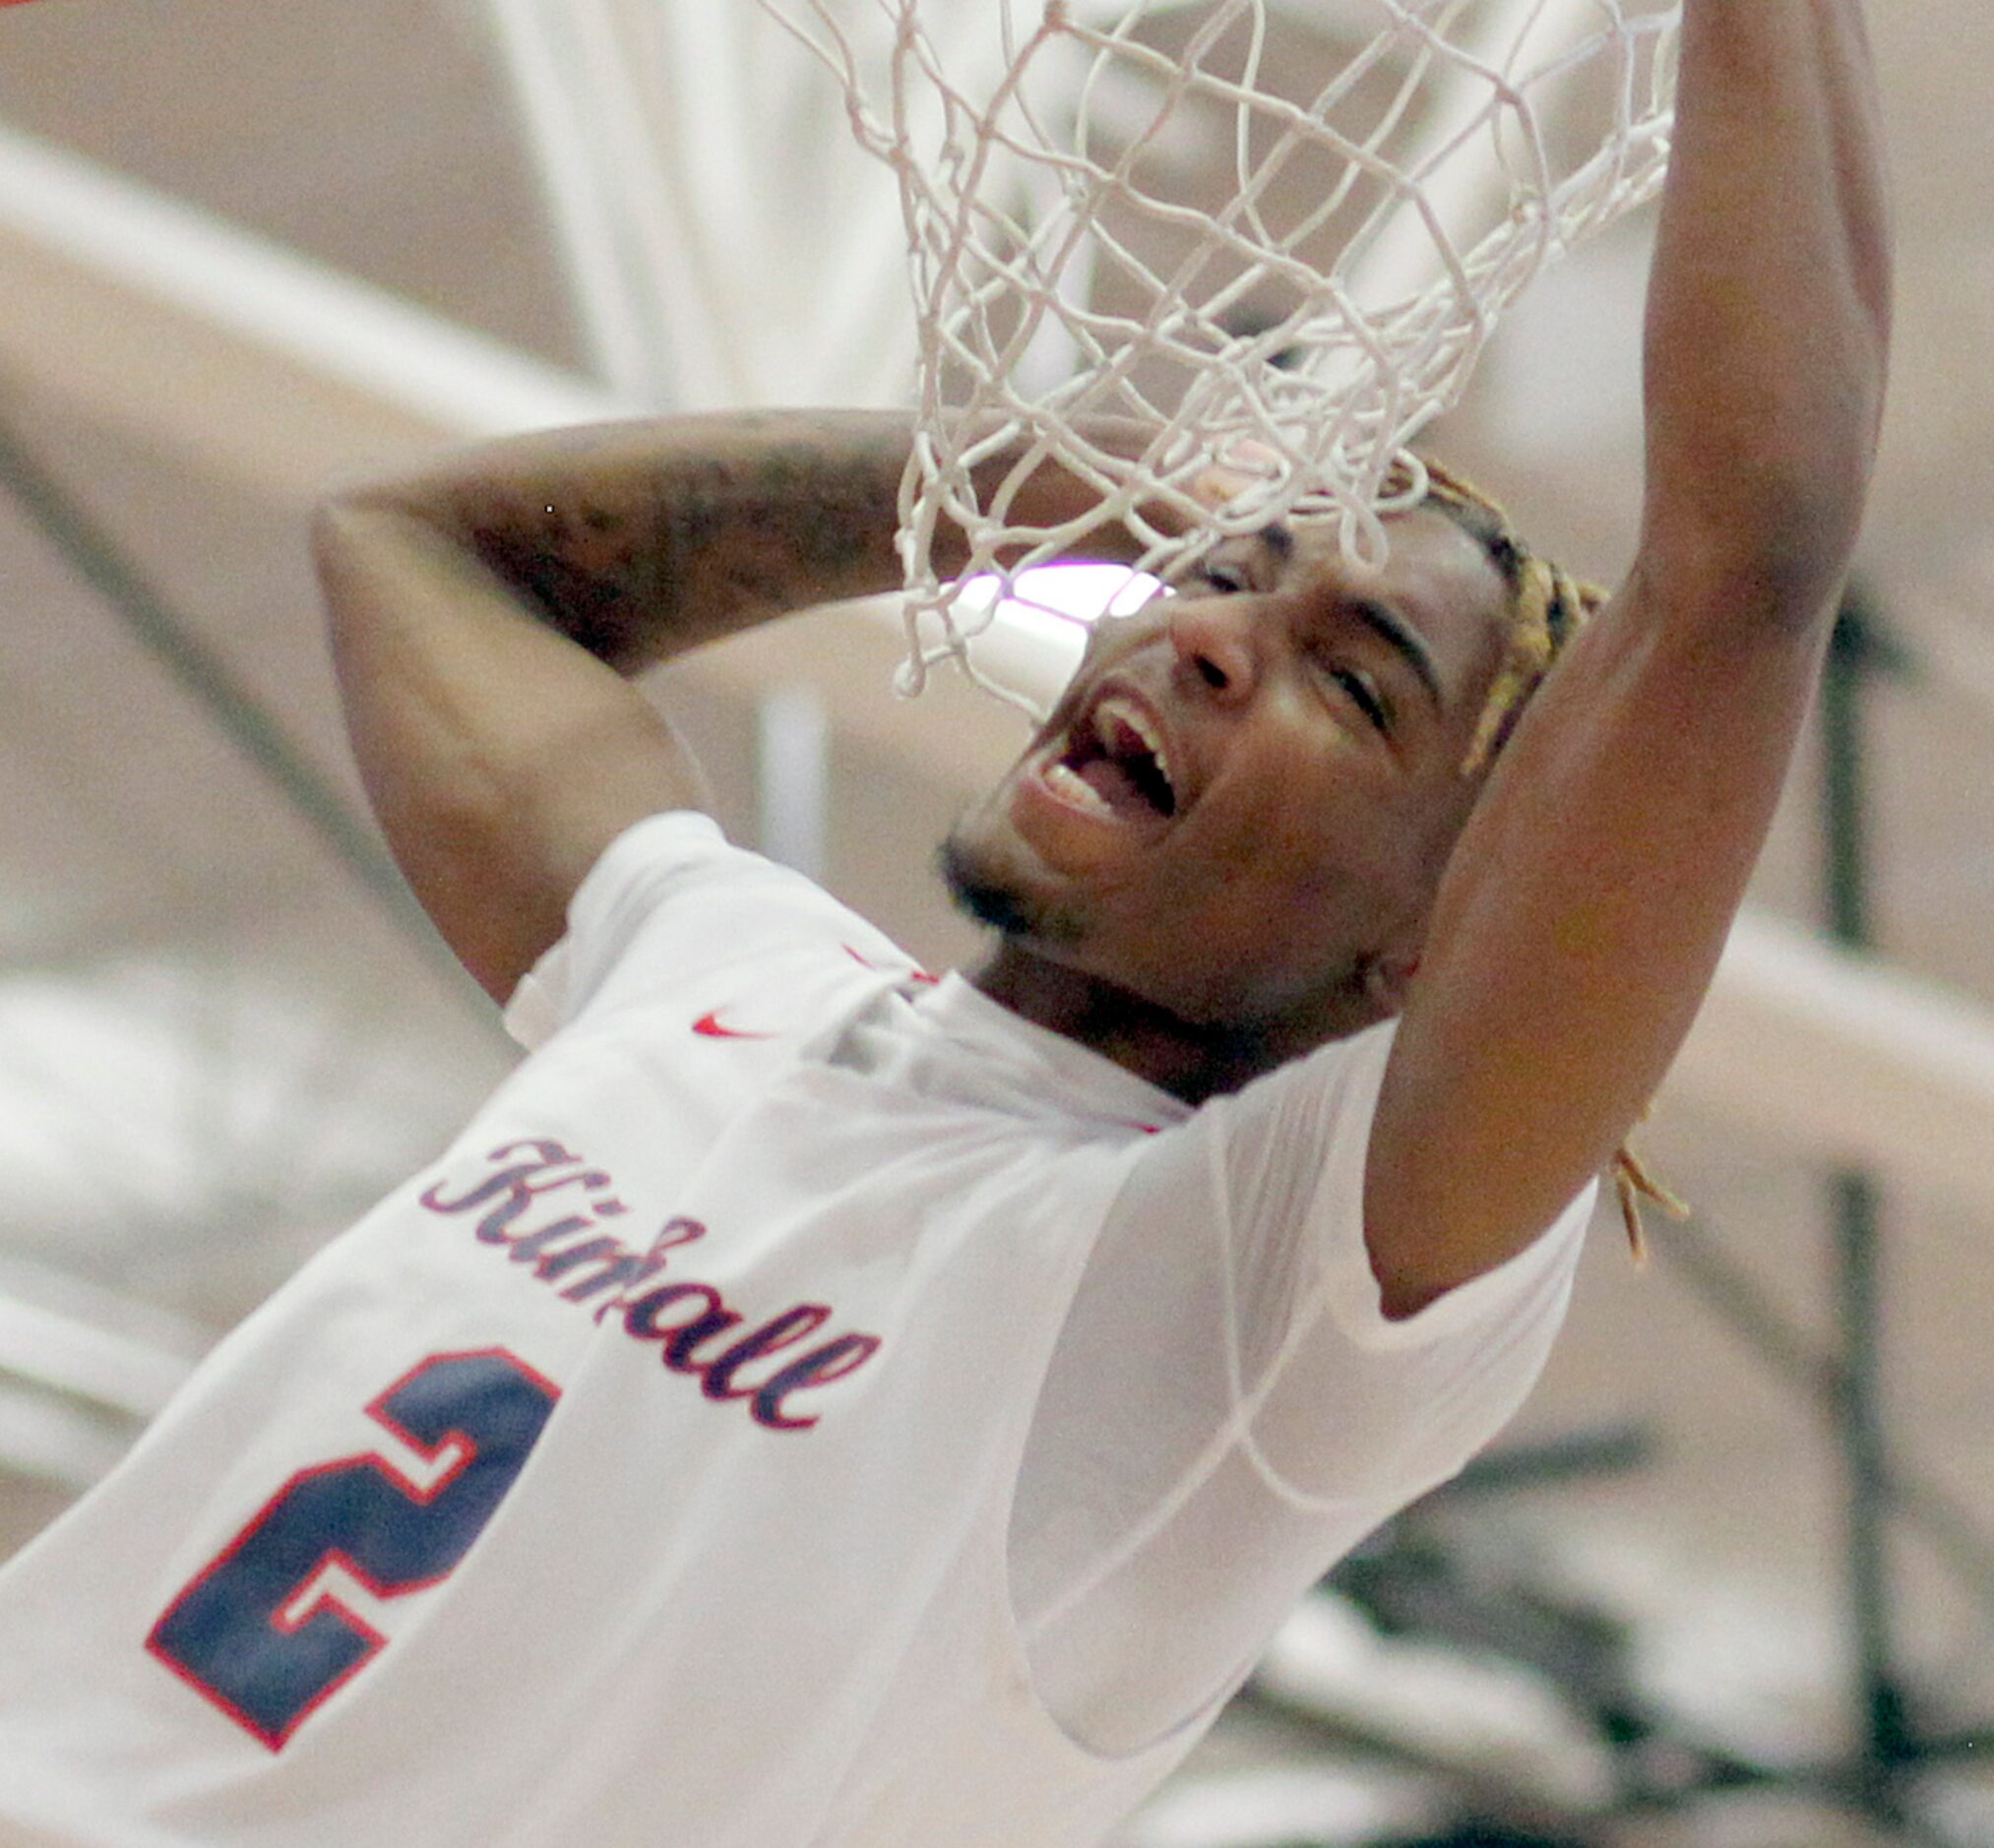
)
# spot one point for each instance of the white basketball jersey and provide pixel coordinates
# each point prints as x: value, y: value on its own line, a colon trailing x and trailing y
x: 640, y: 1472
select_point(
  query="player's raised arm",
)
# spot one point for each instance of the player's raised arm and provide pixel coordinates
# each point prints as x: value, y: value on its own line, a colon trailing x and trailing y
x: 1584, y: 911
x: 484, y: 611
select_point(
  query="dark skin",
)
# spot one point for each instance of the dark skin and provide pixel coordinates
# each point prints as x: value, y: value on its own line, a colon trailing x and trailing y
x: 1315, y: 716
x: 486, y: 612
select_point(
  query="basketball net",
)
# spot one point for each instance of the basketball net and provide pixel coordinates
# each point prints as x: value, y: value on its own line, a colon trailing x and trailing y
x: 1162, y: 213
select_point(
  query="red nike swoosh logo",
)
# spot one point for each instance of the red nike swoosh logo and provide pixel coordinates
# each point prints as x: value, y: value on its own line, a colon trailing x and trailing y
x: 710, y: 1025
x: 920, y: 976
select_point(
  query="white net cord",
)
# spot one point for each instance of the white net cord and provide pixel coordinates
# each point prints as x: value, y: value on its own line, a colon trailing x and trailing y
x: 1292, y: 312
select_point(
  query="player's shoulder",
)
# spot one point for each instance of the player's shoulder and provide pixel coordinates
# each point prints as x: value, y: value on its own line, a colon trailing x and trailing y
x: 672, y: 910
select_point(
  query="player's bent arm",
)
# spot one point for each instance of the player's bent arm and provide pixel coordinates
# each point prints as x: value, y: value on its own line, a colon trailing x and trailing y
x: 1583, y: 913
x: 485, y: 609
x: 499, y: 757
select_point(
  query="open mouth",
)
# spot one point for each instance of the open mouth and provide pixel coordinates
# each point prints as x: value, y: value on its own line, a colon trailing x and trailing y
x: 1114, y: 763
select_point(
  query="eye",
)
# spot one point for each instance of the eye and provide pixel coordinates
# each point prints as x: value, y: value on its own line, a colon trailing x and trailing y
x: 1363, y: 694
x: 1226, y: 580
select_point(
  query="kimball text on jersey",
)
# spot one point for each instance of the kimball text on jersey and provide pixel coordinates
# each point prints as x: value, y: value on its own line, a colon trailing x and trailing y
x: 683, y: 1318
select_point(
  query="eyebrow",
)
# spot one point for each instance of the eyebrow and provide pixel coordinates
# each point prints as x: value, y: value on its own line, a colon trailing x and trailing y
x: 1404, y: 640
x: 1384, y: 622
x: 1278, y: 538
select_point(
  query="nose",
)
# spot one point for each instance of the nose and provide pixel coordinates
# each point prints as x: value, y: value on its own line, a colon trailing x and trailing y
x: 1215, y: 640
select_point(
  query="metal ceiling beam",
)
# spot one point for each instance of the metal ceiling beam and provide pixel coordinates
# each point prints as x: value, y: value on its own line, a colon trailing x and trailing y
x: 87, y: 1361
x: 247, y: 358
x: 48, y: 1440
x: 109, y: 301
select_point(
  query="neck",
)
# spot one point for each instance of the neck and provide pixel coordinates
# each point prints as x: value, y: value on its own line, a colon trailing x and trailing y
x: 1187, y: 1059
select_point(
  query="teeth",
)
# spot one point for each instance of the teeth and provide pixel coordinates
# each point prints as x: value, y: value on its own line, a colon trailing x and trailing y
x: 1070, y: 783
x: 1114, y: 711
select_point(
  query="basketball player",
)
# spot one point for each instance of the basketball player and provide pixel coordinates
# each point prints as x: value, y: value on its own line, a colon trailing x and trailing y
x: 817, y: 1405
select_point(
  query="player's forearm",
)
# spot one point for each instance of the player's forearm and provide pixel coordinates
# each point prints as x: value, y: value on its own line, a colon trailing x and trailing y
x: 640, y: 540
x: 644, y: 539
x: 1769, y: 306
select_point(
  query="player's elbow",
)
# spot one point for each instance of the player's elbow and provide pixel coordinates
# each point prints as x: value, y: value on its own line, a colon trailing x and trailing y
x: 341, y: 518
x: 1765, y: 545
x: 1754, y: 509
x: 340, y: 542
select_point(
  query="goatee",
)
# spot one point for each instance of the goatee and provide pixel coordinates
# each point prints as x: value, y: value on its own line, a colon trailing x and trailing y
x: 982, y: 895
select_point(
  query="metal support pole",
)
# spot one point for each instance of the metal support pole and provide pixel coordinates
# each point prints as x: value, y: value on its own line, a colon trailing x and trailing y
x: 793, y: 764
x: 1856, y: 653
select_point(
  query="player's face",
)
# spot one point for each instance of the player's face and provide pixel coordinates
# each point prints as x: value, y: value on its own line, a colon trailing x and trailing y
x: 1241, y: 806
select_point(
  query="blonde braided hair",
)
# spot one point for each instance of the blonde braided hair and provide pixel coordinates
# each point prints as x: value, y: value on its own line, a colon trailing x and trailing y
x: 1547, y: 607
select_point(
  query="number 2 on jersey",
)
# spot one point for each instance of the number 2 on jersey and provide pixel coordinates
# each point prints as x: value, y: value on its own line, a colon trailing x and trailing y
x: 261, y: 1632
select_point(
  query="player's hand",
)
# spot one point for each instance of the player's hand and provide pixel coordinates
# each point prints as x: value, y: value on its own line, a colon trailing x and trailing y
x: 1240, y: 468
